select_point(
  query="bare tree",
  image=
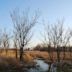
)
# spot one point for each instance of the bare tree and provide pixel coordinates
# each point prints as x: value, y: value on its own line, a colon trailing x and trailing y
x: 57, y: 33
x: 0, y: 40
x: 48, y: 41
x: 16, y: 45
x: 0, y: 37
x: 22, y: 27
x: 60, y: 37
x: 57, y: 37
x: 5, y: 40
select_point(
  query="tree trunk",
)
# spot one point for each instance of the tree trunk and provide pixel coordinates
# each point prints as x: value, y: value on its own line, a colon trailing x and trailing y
x: 21, y: 53
x: 58, y: 68
x: 6, y: 51
x: 58, y: 59
x: 16, y: 53
x: 64, y: 53
x: 58, y: 54
x: 49, y: 67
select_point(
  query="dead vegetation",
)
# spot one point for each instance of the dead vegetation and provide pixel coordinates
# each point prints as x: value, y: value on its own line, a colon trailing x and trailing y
x: 8, y: 63
x: 30, y: 55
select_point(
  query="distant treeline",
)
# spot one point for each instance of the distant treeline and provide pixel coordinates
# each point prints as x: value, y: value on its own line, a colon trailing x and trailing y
x: 40, y: 48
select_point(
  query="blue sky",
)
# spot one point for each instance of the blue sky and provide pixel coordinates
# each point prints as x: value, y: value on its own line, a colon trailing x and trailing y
x: 50, y: 10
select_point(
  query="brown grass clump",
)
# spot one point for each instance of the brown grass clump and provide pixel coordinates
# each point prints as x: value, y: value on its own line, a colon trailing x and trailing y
x: 28, y: 58
x: 37, y: 54
x: 3, y: 62
x: 13, y: 62
x: 9, y: 62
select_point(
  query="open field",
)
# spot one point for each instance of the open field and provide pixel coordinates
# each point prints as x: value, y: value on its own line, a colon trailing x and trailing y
x: 38, y: 54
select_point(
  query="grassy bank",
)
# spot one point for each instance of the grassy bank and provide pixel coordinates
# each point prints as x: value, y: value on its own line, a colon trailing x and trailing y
x: 8, y: 63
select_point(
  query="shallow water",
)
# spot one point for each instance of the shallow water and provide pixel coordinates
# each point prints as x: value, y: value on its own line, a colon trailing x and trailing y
x: 44, y: 66
x: 41, y: 66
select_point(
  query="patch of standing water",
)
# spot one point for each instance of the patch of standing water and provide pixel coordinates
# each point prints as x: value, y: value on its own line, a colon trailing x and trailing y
x: 41, y: 66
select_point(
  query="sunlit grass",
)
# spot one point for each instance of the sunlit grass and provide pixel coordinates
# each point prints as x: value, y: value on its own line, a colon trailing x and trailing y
x: 30, y: 55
